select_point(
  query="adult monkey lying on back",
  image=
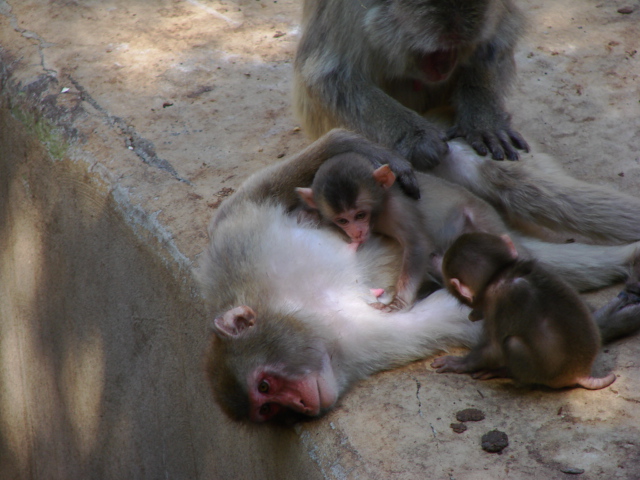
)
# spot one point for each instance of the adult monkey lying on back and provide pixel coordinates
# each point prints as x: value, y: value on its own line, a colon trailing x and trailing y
x: 291, y: 327
x: 374, y: 66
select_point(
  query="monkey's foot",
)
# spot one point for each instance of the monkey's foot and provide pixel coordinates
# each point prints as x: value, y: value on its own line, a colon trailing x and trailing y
x: 450, y: 363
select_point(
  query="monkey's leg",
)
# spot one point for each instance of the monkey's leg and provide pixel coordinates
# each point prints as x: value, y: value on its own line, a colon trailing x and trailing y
x: 585, y: 267
x: 537, y: 192
x: 334, y: 93
x: 375, y: 341
x: 481, y: 118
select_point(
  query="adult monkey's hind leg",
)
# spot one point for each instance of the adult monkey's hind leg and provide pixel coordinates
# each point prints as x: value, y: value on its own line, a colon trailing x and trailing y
x: 536, y: 191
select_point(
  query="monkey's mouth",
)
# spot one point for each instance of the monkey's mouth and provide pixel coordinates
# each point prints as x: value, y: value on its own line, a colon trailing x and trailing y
x: 437, y: 66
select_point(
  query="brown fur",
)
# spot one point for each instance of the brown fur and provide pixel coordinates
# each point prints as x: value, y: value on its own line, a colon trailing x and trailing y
x: 536, y: 328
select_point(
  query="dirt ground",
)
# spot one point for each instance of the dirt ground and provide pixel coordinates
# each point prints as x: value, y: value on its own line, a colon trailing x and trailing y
x: 193, y: 96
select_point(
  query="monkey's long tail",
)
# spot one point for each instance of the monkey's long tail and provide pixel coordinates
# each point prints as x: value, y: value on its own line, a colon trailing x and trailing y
x: 593, y: 383
x: 536, y: 191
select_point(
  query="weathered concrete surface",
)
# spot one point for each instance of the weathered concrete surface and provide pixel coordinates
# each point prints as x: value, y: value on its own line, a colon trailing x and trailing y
x: 122, y: 125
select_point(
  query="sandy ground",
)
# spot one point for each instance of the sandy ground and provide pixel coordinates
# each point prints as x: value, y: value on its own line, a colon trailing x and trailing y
x: 197, y: 96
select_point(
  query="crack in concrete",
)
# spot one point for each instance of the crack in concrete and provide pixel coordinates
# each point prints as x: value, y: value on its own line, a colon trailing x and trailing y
x: 632, y: 400
x: 418, y: 386
x: 142, y: 147
x: 6, y: 9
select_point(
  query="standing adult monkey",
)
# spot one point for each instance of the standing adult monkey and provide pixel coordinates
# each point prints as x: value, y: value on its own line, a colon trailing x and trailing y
x: 374, y: 66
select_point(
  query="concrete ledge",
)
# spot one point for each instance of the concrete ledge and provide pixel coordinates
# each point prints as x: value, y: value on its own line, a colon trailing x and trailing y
x: 123, y: 124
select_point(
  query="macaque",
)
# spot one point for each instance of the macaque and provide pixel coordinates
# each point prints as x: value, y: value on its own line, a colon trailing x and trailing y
x: 291, y: 327
x: 375, y: 66
x: 361, y: 200
x: 349, y: 192
x: 537, y: 330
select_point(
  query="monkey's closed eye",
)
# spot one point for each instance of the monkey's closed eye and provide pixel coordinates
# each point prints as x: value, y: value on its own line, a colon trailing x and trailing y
x: 263, y: 387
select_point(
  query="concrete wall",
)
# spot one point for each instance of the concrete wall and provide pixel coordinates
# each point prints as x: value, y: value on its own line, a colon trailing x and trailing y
x: 101, y: 336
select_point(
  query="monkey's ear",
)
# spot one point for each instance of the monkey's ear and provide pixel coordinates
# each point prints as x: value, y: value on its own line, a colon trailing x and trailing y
x: 384, y: 176
x: 512, y: 248
x: 462, y: 289
x: 234, y: 322
x: 306, y: 194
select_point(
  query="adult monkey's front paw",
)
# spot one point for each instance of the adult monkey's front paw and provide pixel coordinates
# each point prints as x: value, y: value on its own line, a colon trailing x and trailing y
x: 501, y: 142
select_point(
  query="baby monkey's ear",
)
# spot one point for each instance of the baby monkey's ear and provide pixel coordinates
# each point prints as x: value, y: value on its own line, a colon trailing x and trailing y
x: 306, y: 194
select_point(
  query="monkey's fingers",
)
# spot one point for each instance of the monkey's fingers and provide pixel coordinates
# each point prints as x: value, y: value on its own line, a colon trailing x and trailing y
x: 391, y: 307
x: 504, y: 147
x: 382, y: 307
x: 508, y: 140
x: 409, y: 184
x: 405, y: 175
x: 494, y: 142
x: 500, y: 143
x: 518, y: 140
x: 449, y: 364
x: 475, y: 139
x: 397, y: 304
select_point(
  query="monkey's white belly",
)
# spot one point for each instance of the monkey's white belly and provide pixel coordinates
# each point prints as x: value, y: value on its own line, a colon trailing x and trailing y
x: 315, y: 270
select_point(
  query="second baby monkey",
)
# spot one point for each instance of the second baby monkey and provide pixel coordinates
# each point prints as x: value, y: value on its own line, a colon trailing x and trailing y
x: 537, y: 330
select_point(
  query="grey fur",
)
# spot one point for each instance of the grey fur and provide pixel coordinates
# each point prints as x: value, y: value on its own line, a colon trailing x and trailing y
x: 304, y: 279
x: 361, y: 65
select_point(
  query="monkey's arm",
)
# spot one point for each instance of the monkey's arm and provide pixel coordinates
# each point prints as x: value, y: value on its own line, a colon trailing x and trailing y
x: 479, y: 102
x: 277, y: 183
x: 358, y: 104
x: 539, y: 192
x: 484, y: 80
x: 337, y: 73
